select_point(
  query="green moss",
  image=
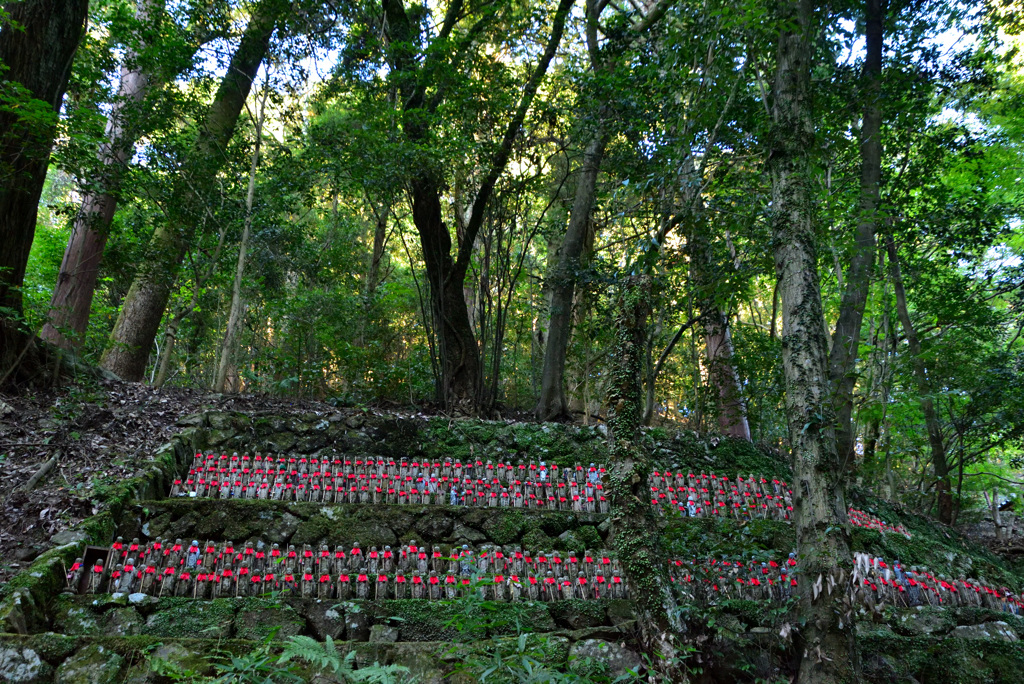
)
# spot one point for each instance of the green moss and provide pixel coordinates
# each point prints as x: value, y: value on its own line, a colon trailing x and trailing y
x: 716, y: 537
x: 259, y: 619
x: 951, y: 661
x: 185, y: 618
x: 578, y: 614
x: 54, y: 648
x: 505, y: 529
x: 535, y: 540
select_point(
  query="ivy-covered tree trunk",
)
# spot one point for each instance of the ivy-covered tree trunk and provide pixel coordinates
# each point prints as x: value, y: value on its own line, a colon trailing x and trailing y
x: 635, y: 529
x: 37, y: 58
x: 846, y: 338
x: 71, y: 303
x: 825, y: 641
x: 128, y: 350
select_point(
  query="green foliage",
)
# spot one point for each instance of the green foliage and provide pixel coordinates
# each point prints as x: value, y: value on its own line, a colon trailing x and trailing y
x: 325, y: 658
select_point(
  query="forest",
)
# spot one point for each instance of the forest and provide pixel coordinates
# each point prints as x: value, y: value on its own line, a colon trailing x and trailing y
x: 792, y: 223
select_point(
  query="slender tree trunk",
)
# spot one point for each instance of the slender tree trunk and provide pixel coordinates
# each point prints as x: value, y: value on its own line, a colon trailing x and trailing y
x: 940, y: 464
x: 826, y: 641
x: 380, y: 233
x: 635, y: 529
x: 552, y: 404
x: 846, y: 339
x: 137, y: 324
x: 71, y: 303
x: 227, y: 349
x: 36, y: 57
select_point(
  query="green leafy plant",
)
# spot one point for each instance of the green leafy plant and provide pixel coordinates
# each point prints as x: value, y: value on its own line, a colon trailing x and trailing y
x: 325, y: 657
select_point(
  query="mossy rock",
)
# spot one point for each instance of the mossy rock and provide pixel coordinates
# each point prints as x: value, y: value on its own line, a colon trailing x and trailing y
x: 589, y: 537
x: 924, y: 621
x: 244, y: 527
x: 74, y: 619
x: 185, y: 618
x: 157, y: 526
x: 259, y: 619
x: 434, y: 525
x: 92, y: 664
x: 122, y: 622
x: 578, y: 614
x: 212, y: 524
x: 516, y: 618
x: 174, y: 658
x: 505, y: 528
x: 535, y: 540
x: 23, y: 665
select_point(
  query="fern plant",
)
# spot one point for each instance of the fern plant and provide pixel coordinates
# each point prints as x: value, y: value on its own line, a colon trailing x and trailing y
x: 325, y: 657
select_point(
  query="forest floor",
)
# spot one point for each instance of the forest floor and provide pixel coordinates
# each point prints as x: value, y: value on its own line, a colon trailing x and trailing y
x: 100, y: 433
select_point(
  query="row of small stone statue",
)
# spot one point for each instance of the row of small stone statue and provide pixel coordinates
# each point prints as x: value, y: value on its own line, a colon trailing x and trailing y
x: 532, y: 485
x: 872, y: 584
x: 502, y: 485
x: 411, y: 571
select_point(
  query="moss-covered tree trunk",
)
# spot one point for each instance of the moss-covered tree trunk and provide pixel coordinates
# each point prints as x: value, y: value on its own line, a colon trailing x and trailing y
x: 825, y: 641
x: 635, y: 529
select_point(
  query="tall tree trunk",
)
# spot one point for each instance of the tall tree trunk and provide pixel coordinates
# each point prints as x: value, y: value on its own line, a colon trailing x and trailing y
x: 940, y: 464
x: 71, y: 303
x: 137, y: 324
x: 457, y: 347
x: 227, y: 349
x: 846, y: 339
x: 552, y: 404
x: 826, y: 641
x: 635, y: 529
x: 37, y: 58
x: 732, y: 411
x: 460, y: 355
x: 718, y: 349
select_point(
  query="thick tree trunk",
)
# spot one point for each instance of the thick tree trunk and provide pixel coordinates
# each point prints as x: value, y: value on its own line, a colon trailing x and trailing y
x: 940, y: 464
x: 457, y: 348
x: 227, y: 349
x: 71, y: 303
x: 137, y: 324
x: 552, y: 404
x: 826, y: 641
x: 37, y: 58
x: 635, y: 529
x: 718, y: 349
x: 732, y: 412
x: 846, y: 339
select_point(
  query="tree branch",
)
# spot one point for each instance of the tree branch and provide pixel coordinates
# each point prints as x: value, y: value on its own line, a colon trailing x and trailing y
x: 501, y: 158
